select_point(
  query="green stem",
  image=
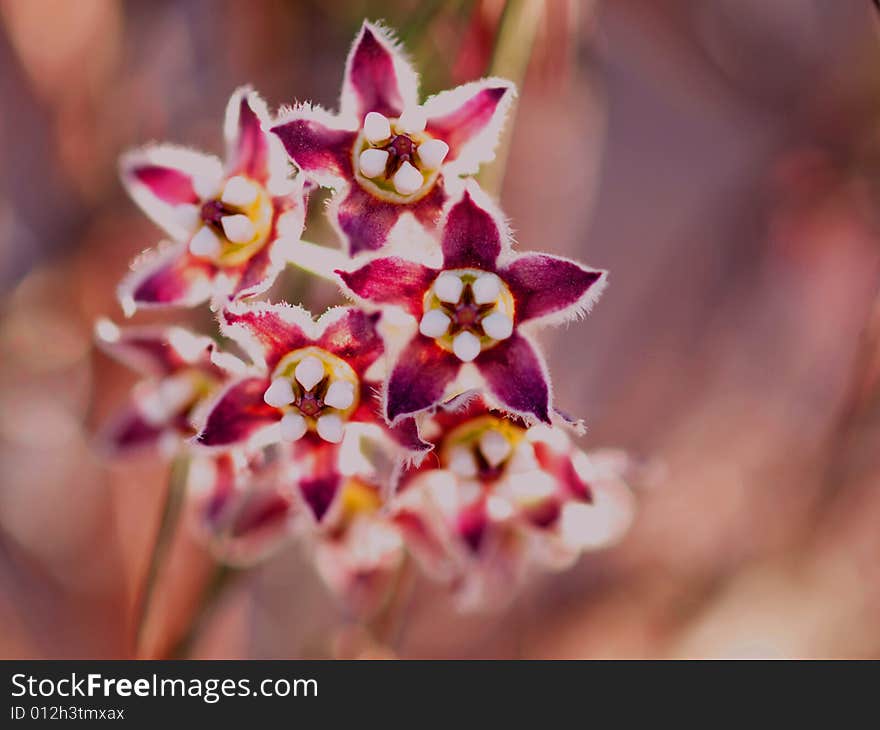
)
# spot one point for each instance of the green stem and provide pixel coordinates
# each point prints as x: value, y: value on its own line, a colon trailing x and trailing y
x: 171, y: 509
x: 510, y: 60
x: 211, y: 594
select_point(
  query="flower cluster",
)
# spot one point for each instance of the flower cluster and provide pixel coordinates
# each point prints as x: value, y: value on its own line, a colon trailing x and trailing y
x: 419, y: 419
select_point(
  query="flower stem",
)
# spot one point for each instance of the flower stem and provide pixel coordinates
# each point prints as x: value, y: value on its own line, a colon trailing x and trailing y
x: 171, y: 508
x: 211, y: 594
x: 510, y: 59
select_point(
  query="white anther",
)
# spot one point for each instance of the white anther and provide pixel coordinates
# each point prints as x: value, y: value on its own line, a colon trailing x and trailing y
x: 293, y: 427
x: 498, y: 326
x: 238, y: 228
x: 239, y: 192
x: 206, y: 186
x: 494, y: 447
x: 412, y: 121
x: 309, y: 372
x: 432, y: 153
x: 330, y: 428
x: 407, y: 179
x: 188, y: 215
x: 376, y: 127
x: 434, y: 323
x: 205, y: 243
x: 486, y: 288
x: 372, y: 162
x: 461, y: 462
x: 279, y: 394
x: 339, y: 395
x: 466, y: 346
x: 499, y: 509
x: 448, y: 288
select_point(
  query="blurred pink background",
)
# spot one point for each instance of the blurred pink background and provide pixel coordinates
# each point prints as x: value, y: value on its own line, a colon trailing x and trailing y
x: 721, y: 158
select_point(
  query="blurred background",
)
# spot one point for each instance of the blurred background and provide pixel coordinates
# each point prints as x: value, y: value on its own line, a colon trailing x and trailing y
x: 721, y: 158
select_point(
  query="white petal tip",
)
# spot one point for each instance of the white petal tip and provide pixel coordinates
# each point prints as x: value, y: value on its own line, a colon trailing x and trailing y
x: 238, y: 228
x: 448, y: 288
x: 372, y: 162
x: 498, y: 326
x: 309, y: 372
x: 407, y: 179
x: 376, y: 127
x: 205, y: 243
x: 466, y: 346
x: 339, y: 395
x: 461, y: 462
x: 432, y: 153
x: 279, y: 394
x: 434, y: 323
x: 293, y: 427
x: 330, y: 428
x: 412, y: 121
x: 239, y: 192
x: 486, y: 288
x: 206, y: 186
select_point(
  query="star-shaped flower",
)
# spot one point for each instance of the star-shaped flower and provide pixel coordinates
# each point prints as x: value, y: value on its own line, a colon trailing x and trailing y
x: 307, y: 377
x: 474, y: 308
x: 502, y: 496
x: 231, y: 225
x: 386, y: 154
x: 179, y: 376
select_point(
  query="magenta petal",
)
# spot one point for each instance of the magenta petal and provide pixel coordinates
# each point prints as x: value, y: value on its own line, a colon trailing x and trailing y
x: 166, y: 183
x: 405, y: 433
x: 471, y: 236
x: 364, y: 220
x: 460, y: 125
x: 561, y: 467
x: 128, y: 433
x: 170, y: 278
x: 148, y: 350
x: 419, y: 378
x: 238, y: 414
x: 543, y: 284
x: 354, y: 338
x: 515, y: 374
x: 319, y: 493
x: 317, y: 149
x: 391, y: 280
x: 371, y: 76
x: 249, y: 148
x: 274, y: 334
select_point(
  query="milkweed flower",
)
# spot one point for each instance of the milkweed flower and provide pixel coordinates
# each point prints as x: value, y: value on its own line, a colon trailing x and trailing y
x: 504, y: 497
x: 475, y: 308
x: 307, y: 377
x: 231, y: 226
x: 180, y: 374
x: 384, y: 153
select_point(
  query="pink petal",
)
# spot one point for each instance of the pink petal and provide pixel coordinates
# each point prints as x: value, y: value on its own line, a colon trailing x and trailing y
x: 317, y: 145
x: 377, y: 76
x: 419, y: 378
x: 469, y: 119
x: 247, y: 143
x: 128, y: 433
x: 152, y: 350
x: 544, y: 285
x: 472, y: 237
x: 163, y: 177
x: 561, y: 467
x: 170, y: 276
x: 267, y: 331
x: 351, y: 334
x: 516, y: 376
x: 238, y: 413
x: 391, y: 280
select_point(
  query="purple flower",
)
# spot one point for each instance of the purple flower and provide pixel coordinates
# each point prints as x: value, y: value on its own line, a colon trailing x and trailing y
x: 474, y: 309
x: 307, y: 377
x: 179, y: 375
x: 230, y: 225
x: 501, y: 496
x: 384, y: 153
